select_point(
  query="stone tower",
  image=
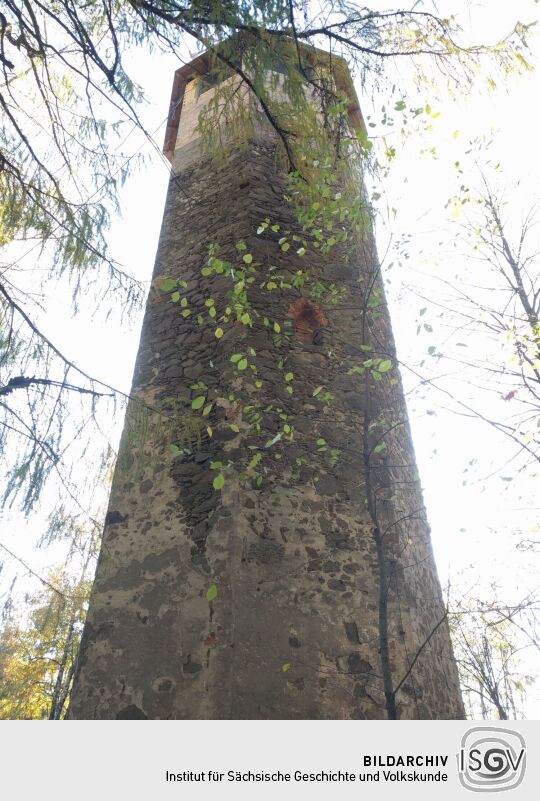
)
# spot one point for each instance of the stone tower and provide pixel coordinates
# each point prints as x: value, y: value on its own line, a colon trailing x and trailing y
x: 266, y: 553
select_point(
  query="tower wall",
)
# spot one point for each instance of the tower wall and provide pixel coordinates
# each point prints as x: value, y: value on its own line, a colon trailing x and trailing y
x: 263, y: 601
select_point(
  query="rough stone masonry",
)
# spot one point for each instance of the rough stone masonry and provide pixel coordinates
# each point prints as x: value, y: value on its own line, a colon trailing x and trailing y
x: 262, y: 602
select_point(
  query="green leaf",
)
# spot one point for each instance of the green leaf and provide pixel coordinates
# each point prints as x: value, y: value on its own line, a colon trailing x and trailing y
x: 206, y: 271
x: 384, y: 366
x: 289, y: 376
x: 235, y: 357
x: 242, y: 364
x: 255, y: 461
x: 277, y: 328
x: 218, y: 333
x: 207, y: 409
x: 273, y: 441
x: 175, y: 297
x: 316, y: 391
x: 211, y: 593
x: 196, y: 403
x: 212, y: 311
x: 218, y: 481
x: 286, y: 667
x: 380, y: 447
x: 166, y: 284
x: 247, y: 258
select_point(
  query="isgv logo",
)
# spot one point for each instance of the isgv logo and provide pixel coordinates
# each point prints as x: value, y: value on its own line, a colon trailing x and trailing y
x: 491, y: 759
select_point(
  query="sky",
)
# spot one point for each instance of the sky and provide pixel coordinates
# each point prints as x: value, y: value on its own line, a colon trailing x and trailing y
x: 475, y: 522
x: 418, y: 187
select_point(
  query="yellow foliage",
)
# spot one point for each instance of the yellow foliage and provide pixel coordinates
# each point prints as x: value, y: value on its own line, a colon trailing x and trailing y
x: 36, y: 659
